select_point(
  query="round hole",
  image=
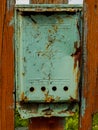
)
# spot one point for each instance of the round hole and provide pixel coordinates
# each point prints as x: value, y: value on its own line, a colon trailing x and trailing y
x: 43, y: 88
x: 31, y: 89
x: 65, y: 88
x: 54, y: 88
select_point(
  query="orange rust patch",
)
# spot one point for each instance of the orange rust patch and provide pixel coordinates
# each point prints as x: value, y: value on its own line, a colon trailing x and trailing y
x: 23, y: 97
x: 76, y: 55
x: 71, y: 113
x: 78, y: 76
x: 72, y: 99
x: 63, y: 111
x: 48, y: 98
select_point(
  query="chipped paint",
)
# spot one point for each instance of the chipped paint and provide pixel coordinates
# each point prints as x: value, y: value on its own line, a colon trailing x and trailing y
x: 48, y: 98
x: 29, y: 110
x: 77, y: 57
x: 48, y: 64
x: 43, y: 65
x: 23, y: 98
x: 49, y: 8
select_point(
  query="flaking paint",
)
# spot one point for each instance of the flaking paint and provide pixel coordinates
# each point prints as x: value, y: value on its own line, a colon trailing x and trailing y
x: 26, y: 19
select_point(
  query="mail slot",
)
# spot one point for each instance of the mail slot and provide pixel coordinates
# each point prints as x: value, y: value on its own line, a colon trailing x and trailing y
x: 47, y: 53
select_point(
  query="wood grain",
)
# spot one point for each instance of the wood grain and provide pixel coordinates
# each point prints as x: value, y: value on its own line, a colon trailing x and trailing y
x: 6, y: 66
x: 89, y: 103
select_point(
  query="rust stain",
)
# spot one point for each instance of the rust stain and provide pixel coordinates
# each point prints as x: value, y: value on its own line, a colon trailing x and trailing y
x: 51, y: 41
x: 47, y: 111
x: 55, y: 27
x: 24, y: 59
x: 71, y: 113
x: 63, y: 111
x: 78, y: 76
x: 48, y: 98
x: 76, y: 55
x: 50, y: 31
x: 72, y: 99
x: 23, y: 98
x: 23, y: 74
x: 50, y: 9
x: 66, y: 111
x: 60, y: 20
x: 77, y: 92
x: 57, y: 98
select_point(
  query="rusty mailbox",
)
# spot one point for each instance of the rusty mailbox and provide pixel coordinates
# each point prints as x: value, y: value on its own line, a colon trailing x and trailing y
x: 47, y: 58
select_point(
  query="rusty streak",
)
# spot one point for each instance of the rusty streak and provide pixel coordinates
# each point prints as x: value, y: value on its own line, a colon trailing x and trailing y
x: 48, y: 98
x: 77, y: 55
x: 23, y: 98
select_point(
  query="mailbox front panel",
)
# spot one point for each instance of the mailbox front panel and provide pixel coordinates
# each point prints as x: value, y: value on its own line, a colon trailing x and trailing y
x: 47, y: 56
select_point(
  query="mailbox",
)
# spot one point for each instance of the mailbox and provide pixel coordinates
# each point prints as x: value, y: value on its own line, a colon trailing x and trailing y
x: 47, y: 59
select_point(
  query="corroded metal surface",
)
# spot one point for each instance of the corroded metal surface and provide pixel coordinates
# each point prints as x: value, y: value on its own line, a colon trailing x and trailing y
x: 48, y: 54
x: 49, y: 8
x: 28, y: 110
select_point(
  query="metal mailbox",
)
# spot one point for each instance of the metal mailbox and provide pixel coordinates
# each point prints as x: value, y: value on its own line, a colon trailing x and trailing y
x: 47, y: 56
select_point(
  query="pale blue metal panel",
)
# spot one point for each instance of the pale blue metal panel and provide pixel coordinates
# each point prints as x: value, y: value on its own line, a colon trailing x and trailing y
x: 47, y: 70
x: 47, y: 55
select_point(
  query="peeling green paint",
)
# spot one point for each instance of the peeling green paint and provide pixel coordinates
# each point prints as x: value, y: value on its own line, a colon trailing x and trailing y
x: 47, y: 55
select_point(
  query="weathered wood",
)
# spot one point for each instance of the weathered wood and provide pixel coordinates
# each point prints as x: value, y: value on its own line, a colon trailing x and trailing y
x: 49, y: 1
x: 6, y: 66
x: 90, y: 76
x: 47, y: 123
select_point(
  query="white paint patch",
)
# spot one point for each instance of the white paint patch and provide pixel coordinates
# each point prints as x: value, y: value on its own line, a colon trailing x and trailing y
x: 22, y: 2
x: 75, y: 1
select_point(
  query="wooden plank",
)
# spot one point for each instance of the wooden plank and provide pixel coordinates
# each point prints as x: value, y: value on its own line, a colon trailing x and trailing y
x: 6, y: 66
x: 96, y: 55
x: 90, y: 75
x: 47, y: 123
